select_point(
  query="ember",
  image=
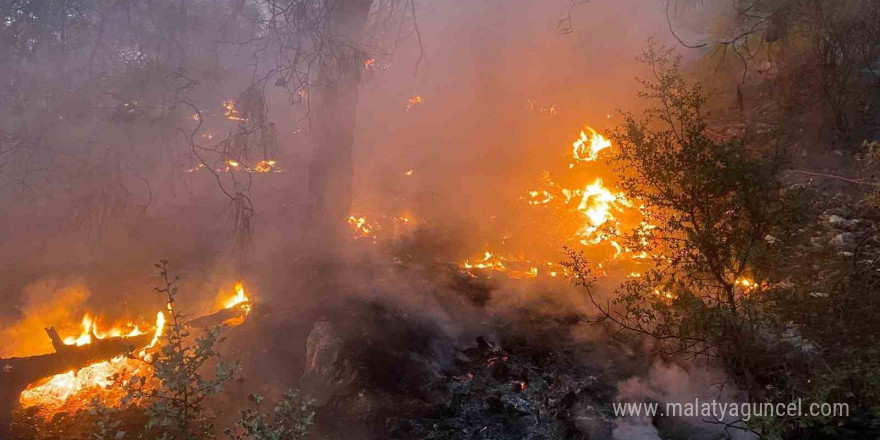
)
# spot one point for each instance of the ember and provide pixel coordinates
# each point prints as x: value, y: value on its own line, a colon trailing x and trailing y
x: 414, y: 101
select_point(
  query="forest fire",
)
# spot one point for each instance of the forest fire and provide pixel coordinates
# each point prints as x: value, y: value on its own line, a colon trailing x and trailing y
x: 585, y: 212
x: 435, y: 244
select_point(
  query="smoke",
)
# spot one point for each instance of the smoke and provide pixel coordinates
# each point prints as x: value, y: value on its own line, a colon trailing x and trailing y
x: 667, y: 382
x: 504, y: 90
x: 45, y: 303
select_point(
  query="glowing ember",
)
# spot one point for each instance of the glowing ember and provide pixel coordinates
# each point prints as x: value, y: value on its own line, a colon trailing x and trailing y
x: 515, y: 268
x: 264, y: 166
x: 414, y: 101
x: 544, y: 112
x: 360, y: 226
x: 72, y: 391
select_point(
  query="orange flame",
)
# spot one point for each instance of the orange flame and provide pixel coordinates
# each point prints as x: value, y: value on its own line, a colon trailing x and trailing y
x: 239, y: 298
x: 587, y: 147
x: 264, y: 166
x: 360, y: 226
x: 590, y: 214
x: 231, y: 112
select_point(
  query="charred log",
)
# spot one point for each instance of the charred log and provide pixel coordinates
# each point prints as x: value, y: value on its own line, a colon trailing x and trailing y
x: 229, y: 317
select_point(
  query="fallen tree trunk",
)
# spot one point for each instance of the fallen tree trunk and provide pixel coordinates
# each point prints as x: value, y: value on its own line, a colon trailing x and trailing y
x: 16, y: 374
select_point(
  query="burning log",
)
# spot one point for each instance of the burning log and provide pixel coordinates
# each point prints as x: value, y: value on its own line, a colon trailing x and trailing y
x: 17, y: 373
x: 230, y: 317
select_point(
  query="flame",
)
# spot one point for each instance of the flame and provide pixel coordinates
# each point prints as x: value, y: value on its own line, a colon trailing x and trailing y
x: 73, y: 390
x: 160, y: 327
x: 264, y: 166
x: 747, y: 285
x: 239, y: 298
x: 360, y: 226
x: 597, y: 204
x: 586, y: 211
x: 231, y: 112
x: 516, y: 268
x: 89, y: 328
x: 664, y: 294
x: 587, y: 147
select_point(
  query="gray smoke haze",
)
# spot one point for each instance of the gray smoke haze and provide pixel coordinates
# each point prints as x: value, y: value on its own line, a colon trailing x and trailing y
x: 84, y: 235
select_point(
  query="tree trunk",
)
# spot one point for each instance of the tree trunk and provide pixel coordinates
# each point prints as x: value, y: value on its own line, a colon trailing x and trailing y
x: 331, y: 170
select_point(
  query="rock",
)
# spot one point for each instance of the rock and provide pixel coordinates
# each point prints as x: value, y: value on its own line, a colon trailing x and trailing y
x: 326, y: 372
x: 819, y: 294
x: 843, y: 241
x: 770, y: 239
x: 841, y: 223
